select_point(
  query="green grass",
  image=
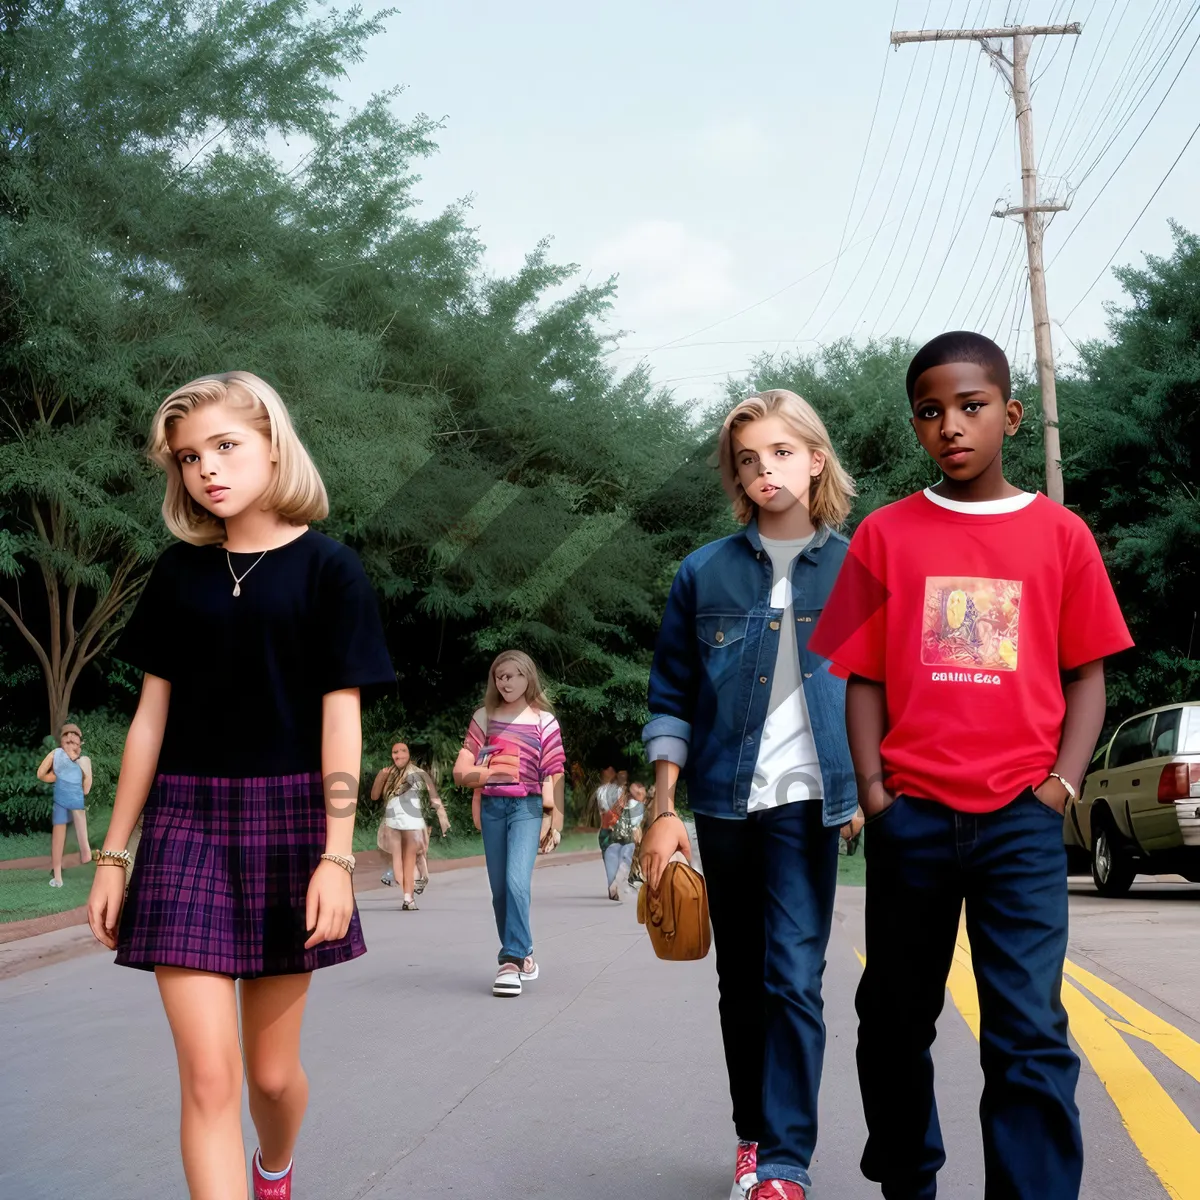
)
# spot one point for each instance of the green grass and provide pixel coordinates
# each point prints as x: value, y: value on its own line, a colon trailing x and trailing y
x: 31, y: 845
x: 26, y: 894
x: 852, y: 869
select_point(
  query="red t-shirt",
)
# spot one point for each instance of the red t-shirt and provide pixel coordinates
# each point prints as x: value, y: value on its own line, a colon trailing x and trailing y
x: 967, y: 614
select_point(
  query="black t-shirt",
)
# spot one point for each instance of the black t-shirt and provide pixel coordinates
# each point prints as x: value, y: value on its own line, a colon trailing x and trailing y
x: 248, y: 672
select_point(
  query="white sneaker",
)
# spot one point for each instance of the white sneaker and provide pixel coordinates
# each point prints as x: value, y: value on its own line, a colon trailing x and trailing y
x: 508, y: 981
x: 530, y: 970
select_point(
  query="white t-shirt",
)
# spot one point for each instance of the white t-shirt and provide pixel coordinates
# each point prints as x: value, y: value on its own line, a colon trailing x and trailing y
x: 787, y: 769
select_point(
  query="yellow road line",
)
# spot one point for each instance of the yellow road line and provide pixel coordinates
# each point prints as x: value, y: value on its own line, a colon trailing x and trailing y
x: 1163, y: 1135
x: 1141, y: 1023
x: 1160, y: 1131
x: 961, y: 983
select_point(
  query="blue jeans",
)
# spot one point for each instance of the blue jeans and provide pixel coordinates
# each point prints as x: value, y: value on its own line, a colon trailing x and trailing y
x: 771, y: 878
x: 923, y: 861
x: 512, y: 826
x: 616, y: 856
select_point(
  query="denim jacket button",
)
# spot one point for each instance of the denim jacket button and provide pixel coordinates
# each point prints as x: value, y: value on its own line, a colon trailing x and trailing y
x: 762, y: 679
x: 807, y: 674
x: 720, y: 637
x: 774, y: 624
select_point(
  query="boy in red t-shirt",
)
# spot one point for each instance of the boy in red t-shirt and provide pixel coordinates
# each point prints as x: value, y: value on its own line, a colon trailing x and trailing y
x: 973, y: 620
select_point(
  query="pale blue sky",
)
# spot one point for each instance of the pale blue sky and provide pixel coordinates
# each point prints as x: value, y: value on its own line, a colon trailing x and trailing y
x: 707, y: 154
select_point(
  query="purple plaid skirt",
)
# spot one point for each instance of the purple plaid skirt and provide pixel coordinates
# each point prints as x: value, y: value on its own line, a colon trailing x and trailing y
x: 221, y: 876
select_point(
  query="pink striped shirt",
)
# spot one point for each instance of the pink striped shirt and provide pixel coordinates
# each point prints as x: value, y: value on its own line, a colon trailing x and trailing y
x: 538, y: 745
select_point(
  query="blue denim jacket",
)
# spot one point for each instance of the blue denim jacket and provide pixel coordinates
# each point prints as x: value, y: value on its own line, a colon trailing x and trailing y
x: 710, y: 684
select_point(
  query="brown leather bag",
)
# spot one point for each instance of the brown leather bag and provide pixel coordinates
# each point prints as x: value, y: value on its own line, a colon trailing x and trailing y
x: 676, y: 915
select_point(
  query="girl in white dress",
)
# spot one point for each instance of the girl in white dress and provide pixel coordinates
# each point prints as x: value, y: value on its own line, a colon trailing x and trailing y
x: 403, y: 786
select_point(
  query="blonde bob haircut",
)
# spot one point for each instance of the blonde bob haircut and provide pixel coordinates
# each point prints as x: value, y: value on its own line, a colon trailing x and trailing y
x: 296, y: 493
x: 534, y: 696
x: 830, y: 492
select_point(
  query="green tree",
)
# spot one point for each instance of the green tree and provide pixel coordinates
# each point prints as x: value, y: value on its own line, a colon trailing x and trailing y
x: 502, y: 487
x: 120, y: 236
x: 1133, y: 469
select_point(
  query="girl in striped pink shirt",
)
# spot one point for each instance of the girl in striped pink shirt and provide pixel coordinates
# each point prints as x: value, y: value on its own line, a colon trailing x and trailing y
x: 513, y: 755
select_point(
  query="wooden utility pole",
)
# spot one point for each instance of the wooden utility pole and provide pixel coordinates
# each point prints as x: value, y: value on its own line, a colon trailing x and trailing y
x: 1016, y: 74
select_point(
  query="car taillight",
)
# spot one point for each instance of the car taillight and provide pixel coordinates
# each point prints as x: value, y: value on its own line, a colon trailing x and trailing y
x: 1179, y: 781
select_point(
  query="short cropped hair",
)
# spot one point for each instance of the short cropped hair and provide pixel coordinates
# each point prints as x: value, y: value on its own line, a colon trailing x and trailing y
x: 961, y: 346
x: 831, y: 491
x: 296, y: 493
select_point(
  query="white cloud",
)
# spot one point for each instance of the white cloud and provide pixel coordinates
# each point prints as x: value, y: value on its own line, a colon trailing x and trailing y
x: 666, y: 271
x: 735, y: 144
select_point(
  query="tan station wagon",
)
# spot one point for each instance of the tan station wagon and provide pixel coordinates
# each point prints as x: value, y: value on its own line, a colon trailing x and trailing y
x: 1139, y: 811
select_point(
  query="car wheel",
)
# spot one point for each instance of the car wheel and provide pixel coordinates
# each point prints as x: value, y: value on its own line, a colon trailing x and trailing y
x: 1112, y: 867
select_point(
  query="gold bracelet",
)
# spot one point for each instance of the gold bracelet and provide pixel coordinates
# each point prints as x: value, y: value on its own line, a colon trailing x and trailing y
x: 114, y: 858
x: 345, y: 861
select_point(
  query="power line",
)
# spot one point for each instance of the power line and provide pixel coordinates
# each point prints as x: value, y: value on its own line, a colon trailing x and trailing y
x: 1014, y: 337
x: 887, y: 54
x: 961, y: 214
x: 1011, y: 259
x: 978, y: 317
x: 904, y: 158
x: 1117, y: 96
x: 912, y: 237
x: 1131, y: 111
x: 888, y: 207
x: 1089, y: 82
x: 766, y: 299
x: 1066, y: 75
x: 1136, y: 219
x: 962, y: 291
x: 1125, y: 157
x: 1034, y: 74
x: 933, y: 230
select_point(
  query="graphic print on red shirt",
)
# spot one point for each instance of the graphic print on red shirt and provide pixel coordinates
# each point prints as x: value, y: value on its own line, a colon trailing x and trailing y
x: 971, y: 623
x: 967, y: 613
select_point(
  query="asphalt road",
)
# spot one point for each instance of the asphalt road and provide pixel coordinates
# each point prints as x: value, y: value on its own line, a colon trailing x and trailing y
x: 605, y: 1079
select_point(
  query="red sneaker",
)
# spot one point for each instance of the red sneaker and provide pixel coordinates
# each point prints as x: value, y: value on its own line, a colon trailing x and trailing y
x: 744, y: 1177
x: 271, y: 1189
x: 776, y: 1189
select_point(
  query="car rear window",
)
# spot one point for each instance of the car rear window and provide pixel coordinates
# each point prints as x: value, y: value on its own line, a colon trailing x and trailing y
x: 1166, y: 733
x: 1189, y: 740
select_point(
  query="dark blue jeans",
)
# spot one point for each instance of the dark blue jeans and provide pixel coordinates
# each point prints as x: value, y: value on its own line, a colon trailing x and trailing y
x: 923, y: 862
x: 771, y: 879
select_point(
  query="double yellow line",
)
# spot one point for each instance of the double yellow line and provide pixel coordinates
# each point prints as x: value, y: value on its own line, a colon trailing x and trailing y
x: 1165, y: 1137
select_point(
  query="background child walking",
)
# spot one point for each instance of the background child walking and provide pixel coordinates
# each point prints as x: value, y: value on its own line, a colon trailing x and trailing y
x: 70, y: 770
x: 255, y: 633
x: 973, y: 619
x: 513, y: 754
x: 403, y: 786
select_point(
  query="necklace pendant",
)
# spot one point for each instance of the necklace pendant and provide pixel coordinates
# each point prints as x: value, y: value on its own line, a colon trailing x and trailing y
x: 237, y: 589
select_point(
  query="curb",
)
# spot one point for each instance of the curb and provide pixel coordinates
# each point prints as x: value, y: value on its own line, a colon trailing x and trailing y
x: 20, y: 959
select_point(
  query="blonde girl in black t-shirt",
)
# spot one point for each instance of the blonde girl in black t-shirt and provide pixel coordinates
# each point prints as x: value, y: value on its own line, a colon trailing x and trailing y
x: 255, y: 634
